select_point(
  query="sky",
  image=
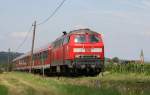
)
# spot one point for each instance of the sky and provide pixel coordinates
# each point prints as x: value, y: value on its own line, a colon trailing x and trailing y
x: 124, y: 24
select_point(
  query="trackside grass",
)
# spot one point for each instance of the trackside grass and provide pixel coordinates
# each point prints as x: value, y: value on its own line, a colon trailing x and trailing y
x: 3, y: 90
x: 18, y: 83
x: 27, y: 84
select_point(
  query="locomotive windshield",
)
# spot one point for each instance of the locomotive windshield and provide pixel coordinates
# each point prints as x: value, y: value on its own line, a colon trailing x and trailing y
x: 80, y: 39
x: 94, y: 38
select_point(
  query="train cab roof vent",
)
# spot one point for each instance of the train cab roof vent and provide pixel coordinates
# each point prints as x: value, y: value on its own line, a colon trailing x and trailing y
x: 87, y: 29
x: 64, y: 33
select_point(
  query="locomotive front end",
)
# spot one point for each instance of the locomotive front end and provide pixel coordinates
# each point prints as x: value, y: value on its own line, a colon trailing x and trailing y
x: 87, y: 52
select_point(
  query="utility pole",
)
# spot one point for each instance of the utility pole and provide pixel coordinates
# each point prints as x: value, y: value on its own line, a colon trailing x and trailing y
x: 32, y: 48
x: 8, y: 64
x: 43, y: 73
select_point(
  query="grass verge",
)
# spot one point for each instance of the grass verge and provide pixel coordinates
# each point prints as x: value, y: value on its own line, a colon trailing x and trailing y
x: 3, y: 90
x: 19, y: 83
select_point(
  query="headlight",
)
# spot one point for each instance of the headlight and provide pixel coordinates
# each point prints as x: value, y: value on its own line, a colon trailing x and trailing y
x: 78, y: 50
x: 96, y: 50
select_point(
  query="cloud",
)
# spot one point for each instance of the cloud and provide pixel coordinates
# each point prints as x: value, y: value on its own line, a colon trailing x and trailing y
x: 146, y: 3
x: 115, y: 13
x: 118, y: 16
x: 20, y: 34
x: 143, y: 4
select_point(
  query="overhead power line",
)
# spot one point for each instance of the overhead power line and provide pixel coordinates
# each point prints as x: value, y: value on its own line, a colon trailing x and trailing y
x: 21, y: 44
x: 44, y: 21
x: 53, y: 13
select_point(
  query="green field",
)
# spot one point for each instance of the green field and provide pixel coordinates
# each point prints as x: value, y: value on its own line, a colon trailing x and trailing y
x: 17, y: 83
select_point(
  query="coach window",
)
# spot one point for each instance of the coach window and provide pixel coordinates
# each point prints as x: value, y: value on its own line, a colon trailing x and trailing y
x: 41, y: 55
x: 38, y: 56
x: 56, y: 44
x: 66, y: 40
x: 34, y: 57
x: 44, y: 55
x: 59, y: 42
x: 24, y: 60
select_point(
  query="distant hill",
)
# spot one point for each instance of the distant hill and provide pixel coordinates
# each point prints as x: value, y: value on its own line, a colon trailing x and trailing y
x: 4, y: 56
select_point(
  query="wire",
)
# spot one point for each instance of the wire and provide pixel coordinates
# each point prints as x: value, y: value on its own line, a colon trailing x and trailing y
x: 44, y: 21
x: 21, y: 44
x: 53, y: 13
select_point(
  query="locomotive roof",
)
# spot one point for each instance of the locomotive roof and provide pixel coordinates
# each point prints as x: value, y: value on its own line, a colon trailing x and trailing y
x: 79, y: 31
x: 82, y: 31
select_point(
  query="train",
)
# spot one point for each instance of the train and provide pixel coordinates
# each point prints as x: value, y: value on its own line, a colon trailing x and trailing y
x: 78, y: 52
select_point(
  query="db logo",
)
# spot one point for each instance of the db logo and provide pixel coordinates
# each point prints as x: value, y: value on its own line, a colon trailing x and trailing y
x: 88, y: 50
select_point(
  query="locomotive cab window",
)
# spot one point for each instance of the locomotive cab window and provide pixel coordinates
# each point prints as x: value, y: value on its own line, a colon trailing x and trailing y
x: 80, y: 39
x: 94, y: 38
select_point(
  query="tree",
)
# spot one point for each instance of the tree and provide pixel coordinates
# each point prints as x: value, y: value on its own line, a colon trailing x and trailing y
x: 115, y: 59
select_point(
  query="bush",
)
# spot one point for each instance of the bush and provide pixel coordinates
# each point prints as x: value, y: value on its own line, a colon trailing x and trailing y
x: 1, y: 70
x: 115, y: 60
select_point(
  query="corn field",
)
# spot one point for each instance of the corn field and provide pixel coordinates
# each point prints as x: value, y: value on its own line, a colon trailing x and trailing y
x: 127, y: 68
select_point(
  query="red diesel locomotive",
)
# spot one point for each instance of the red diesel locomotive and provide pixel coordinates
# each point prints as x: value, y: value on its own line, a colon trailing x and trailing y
x: 77, y: 52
